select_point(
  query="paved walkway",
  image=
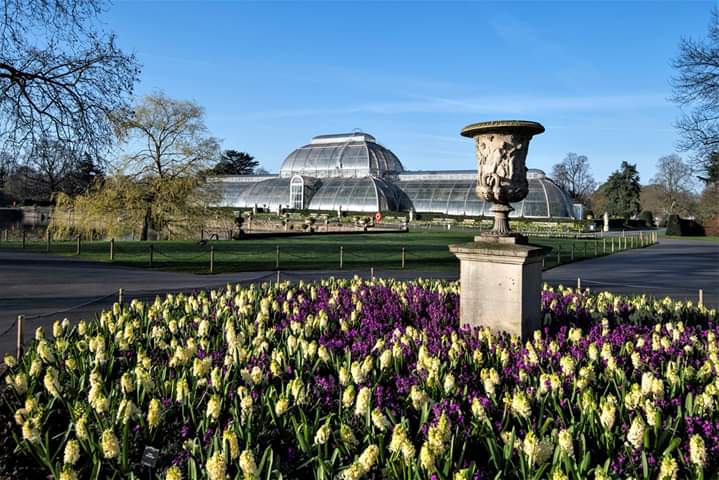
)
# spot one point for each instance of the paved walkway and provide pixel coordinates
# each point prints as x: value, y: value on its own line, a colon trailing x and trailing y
x: 675, y: 268
x: 45, y: 288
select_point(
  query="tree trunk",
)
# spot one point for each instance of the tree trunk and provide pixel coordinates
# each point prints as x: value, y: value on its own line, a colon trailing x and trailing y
x: 147, y: 224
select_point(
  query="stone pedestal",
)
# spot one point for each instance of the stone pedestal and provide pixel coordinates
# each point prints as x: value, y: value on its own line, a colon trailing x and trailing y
x: 501, y: 281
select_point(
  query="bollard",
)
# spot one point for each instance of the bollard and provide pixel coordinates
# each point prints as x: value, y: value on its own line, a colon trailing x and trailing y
x: 612, y: 244
x: 631, y: 243
x: 212, y: 259
x: 604, y: 245
x: 701, y: 297
x: 47, y: 240
x: 371, y: 273
x: 112, y: 249
x: 152, y: 254
x: 342, y: 251
x: 78, y: 249
x: 402, y: 258
x: 119, y: 296
x: 579, y: 283
x: 23, y: 239
x: 20, y: 336
x: 543, y: 257
x: 278, y: 277
x: 277, y: 258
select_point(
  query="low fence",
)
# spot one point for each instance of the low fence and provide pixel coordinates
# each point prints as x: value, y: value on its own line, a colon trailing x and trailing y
x: 210, y: 257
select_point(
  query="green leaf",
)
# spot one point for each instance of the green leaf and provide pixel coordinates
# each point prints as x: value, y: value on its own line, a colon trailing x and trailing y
x: 672, y: 446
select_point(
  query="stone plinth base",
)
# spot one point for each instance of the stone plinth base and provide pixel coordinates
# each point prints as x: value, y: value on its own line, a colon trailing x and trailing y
x: 501, y: 283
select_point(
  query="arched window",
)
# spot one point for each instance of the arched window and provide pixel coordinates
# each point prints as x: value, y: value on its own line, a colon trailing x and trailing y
x: 297, y: 187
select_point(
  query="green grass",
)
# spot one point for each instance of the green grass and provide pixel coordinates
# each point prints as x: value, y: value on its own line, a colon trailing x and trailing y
x: 423, y: 251
x: 708, y: 238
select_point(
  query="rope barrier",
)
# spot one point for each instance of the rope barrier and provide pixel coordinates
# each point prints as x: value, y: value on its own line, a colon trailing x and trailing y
x: 8, y: 329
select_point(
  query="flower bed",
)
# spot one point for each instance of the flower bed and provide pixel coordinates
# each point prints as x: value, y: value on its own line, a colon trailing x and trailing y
x: 371, y: 380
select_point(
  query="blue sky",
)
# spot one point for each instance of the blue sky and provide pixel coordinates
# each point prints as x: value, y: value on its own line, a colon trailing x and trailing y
x: 273, y: 74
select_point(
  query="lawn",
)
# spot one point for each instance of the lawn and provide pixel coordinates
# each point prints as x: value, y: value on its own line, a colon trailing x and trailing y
x: 708, y: 238
x: 423, y: 251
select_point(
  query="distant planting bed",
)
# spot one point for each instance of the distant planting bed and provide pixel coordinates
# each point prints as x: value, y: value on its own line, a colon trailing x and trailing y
x: 350, y: 379
x: 422, y: 251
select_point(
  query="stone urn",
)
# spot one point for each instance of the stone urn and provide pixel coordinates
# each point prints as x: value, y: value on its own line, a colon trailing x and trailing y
x: 501, y: 148
x: 500, y: 273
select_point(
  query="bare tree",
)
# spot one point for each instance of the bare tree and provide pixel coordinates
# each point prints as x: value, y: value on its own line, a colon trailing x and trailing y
x: 675, y: 180
x: 60, y: 76
x: 696, y: 87
x: 172, y: 136
x: 572, y: 174
x: 52, y: 161
x: 173, y: 148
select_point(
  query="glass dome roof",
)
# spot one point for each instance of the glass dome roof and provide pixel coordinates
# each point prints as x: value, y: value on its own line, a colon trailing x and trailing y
x: 367, y: 194
x: 342, y: 155
x: 456, y: 196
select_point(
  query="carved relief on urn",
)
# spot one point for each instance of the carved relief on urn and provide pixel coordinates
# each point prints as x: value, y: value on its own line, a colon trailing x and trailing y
x: 501, y: 148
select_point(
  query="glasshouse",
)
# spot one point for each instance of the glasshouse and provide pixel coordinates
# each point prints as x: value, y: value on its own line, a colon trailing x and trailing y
x: 353, y: 173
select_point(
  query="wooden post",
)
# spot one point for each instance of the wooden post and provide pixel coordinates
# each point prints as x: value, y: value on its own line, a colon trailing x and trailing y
x: 202, y: 234
x: 119, y: 296
x: 47, y: 240
x: 20, y: 336
x: 402, y: 258
x: 23, y: 239
x: 79, y: 247
x: 212, y: 259
x: 152, y: 254
x: 112, y: 249
x: 277, y: 258
x: 342, y: 251
x: 701, y: 297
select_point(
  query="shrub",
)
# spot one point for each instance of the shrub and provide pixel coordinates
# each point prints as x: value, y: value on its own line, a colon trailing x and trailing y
x: 647, y: 217
x: 677, y: 226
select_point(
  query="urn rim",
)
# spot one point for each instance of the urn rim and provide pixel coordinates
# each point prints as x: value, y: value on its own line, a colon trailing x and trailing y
x: 502, y: 126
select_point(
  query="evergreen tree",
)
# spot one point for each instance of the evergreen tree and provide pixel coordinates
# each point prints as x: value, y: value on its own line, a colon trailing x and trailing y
x: 622, y: 191
x: 233, y: 162
x: 83, y: 175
